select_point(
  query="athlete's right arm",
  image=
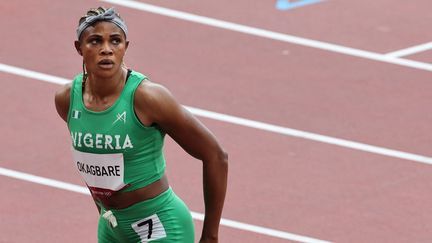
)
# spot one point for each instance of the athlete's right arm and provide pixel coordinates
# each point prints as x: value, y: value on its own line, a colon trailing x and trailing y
x: 62, y: 101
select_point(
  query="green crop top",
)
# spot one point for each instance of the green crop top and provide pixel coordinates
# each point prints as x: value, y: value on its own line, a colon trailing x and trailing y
x: 112, y: 149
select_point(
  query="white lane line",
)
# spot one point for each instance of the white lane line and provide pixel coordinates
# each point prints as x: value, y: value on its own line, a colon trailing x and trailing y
x: 32, y: 74
x: 410, y: 50
x: 311, y: 136
x: 256, y: 124
x: 270, y: 34
x: 43, y: 181
x: 198, y: 216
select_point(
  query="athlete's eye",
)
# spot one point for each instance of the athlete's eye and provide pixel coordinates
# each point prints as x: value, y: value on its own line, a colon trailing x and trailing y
x: 116, y: 41
x: 94, y: 41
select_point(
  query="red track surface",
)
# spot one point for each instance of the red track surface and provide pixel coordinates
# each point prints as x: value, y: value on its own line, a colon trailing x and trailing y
x: 280, y: 182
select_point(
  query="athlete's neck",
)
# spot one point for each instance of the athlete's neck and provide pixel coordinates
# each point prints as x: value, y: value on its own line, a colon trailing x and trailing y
x: 102, y: 87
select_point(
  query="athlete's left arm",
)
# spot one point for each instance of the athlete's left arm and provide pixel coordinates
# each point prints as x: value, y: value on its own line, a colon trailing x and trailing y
x: 155, y: 104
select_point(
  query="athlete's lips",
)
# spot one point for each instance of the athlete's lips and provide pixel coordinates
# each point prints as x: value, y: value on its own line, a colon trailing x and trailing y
x: 105, y: 62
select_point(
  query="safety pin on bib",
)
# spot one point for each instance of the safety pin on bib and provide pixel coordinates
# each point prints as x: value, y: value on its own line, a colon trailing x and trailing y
x: 108, y: 215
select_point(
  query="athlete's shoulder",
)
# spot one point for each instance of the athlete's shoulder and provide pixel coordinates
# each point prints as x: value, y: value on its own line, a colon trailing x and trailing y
x: 62, y: 97
x: 151, y: 93
x: 62, y: 100
x: 153, y: 102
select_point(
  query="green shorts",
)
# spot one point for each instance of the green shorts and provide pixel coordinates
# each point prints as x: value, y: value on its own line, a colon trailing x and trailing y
x: 164, y: 218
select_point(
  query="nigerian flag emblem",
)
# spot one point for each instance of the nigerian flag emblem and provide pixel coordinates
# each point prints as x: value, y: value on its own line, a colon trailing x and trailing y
x: 76, y: 114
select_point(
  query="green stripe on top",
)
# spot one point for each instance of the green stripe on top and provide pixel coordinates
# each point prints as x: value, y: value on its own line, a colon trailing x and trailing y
x: 118, y: 130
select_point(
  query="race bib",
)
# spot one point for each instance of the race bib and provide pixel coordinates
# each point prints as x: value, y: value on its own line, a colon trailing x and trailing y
x: 149, y: 229
x: 105, y: 171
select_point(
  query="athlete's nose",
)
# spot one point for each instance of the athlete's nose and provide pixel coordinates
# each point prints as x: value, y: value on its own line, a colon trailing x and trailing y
x: 106, y: 49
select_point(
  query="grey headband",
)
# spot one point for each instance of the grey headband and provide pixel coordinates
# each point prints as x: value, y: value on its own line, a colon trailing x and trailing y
x: 109, y: 16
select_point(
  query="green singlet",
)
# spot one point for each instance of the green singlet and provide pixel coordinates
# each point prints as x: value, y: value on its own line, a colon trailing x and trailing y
x: 114, y: 151
x: 115, y: 130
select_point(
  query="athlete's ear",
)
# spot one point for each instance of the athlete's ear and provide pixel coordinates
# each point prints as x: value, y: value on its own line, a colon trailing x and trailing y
x: 127, y: 44
x: 78, y: 47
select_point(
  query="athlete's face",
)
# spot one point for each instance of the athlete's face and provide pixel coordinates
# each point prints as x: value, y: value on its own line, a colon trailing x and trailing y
x: 103, y: 47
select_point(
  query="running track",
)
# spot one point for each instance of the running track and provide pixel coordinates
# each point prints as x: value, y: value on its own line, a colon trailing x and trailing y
x: 352, y: 77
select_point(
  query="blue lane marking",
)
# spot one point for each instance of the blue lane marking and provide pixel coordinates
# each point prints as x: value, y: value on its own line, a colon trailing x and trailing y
x: 286, y: 4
